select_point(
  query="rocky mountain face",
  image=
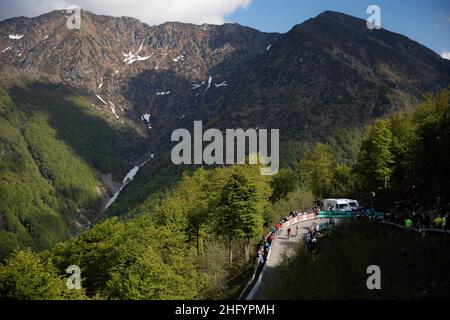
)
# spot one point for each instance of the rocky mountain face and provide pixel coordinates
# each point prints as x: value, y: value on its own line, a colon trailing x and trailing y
x: 128, y: 65
x: 114, y: 90
x: 330, y: 69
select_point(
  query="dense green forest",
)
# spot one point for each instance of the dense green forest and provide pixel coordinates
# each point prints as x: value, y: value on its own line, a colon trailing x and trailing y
x: 177, y: 251
x: 55, y: 148
x: 405, y: 157
x: 196, y: 238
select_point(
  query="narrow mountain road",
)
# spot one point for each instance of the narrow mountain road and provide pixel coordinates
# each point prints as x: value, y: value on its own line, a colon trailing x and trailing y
x: 280, y: 247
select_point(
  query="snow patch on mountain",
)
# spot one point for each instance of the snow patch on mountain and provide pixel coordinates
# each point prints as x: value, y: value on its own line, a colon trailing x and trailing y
x: 146, y: 117
x: 197, y: 85
x: 162, y: 93
x: 222, y: 84
x: 126, y: 180
x: 210, y: 79
x: 178, y: 58
x: 16, y: 36
x: 113, y: 109
x: 100, y: 85
x: 101, y: 99
x: 130, y: 58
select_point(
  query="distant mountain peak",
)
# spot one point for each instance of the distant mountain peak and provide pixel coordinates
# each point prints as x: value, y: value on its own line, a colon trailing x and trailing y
x: 331, y: 13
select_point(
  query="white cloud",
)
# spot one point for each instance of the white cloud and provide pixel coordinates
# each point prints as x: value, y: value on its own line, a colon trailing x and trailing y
x: 149, y: 11
x: 445, y: 55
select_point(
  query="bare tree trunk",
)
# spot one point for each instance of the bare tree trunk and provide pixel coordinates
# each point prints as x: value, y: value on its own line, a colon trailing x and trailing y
x: 230, y: 252
x: 246, y: 248
x: 198, y: 248
x: 197, y: 235
x: 202, y: 249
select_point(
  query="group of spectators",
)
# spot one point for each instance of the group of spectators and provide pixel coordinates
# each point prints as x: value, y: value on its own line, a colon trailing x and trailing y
x: 418, y: 220
x: 409, y: 220
x: 304, y: 212
x: 266, y: 243
x: 311, y: 240
x: 264, y: 247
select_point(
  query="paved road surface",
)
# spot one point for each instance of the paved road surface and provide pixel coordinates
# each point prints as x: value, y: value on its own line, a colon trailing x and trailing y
x: 280, y: 246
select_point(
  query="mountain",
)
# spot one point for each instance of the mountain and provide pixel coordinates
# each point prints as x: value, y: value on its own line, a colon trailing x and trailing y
x: 80, y: 108
x: 331, y: 70
x: 322, y: 81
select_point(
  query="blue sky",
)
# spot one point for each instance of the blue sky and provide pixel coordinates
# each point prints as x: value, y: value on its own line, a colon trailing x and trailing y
x: 426, y: 21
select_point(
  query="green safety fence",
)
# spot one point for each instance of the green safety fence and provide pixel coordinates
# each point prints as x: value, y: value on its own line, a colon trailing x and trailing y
x: 349, y: 214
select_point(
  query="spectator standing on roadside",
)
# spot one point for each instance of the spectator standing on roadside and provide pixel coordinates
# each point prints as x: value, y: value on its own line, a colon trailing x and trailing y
x: 308, y: 239
x: 313, y: 244
x: 261, y: 255
x: 438, y: 221
x: 408, y: 223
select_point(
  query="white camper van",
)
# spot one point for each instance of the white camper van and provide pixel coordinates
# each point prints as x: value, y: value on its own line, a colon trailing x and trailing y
x: 336, y: 205
x: 354, y: 205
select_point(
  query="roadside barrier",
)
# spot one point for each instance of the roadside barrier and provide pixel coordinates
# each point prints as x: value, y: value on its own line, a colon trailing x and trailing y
x: 297, y: 219
x: 255, y: 270
x: 250, y: 295
x: 258, y: 282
